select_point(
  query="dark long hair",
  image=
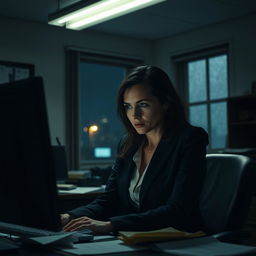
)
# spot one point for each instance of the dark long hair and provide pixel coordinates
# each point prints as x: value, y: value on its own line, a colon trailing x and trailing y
x: 162, y: 88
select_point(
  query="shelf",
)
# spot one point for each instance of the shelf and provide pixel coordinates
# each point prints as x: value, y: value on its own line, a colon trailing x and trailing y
x: 243, y: 123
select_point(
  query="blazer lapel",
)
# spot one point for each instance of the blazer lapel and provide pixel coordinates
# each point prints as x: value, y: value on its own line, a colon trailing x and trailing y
x: 156, y: 164
x: 128, y: 168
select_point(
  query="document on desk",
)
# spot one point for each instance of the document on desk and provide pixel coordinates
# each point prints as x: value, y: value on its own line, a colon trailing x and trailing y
x: 100, y: 248
x: 81, y: 190
x: 164, y: 234
x: 203, y: 246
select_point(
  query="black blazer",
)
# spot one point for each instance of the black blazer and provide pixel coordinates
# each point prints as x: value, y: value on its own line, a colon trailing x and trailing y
x: 170, y: 190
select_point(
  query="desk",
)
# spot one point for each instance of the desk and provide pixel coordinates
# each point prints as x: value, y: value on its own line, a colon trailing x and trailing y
x: 201, y: 248
x: 67, y: 202
x: 26, y: 251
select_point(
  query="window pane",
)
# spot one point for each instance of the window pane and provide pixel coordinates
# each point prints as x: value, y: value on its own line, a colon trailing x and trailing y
x: 218, y: 77
x: 100, y: 129
x: 198, y: 116
x: 218, y: 124
x: 197, y: 80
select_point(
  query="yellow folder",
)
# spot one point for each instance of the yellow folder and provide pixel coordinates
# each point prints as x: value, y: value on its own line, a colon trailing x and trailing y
x: 131, y: 237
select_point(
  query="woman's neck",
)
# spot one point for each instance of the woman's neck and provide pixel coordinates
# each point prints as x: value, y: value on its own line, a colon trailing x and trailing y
x: 153, y: 140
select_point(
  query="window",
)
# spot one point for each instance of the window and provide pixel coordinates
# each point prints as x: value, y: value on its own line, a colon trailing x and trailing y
x: 206, y: 90
x: 100, y: 128
x: 94, y: 129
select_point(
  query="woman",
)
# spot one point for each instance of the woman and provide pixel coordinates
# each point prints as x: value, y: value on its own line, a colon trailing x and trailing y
x: 159, y: 171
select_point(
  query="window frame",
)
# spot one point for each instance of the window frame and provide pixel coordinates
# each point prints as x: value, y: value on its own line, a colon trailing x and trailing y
x: 73, y: 59
x: 182, y: 61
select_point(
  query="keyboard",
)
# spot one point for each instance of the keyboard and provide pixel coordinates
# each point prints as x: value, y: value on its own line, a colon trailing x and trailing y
x: 7, y: 244
x: 26, y: 232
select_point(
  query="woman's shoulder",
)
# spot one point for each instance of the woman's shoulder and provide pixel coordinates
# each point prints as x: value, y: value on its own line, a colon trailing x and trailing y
x: 194, y: 133
x: 193, y: 130
x: 188, y: 133
x: 126, y: 147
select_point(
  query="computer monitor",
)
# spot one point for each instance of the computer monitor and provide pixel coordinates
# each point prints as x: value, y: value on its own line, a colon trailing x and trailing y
x: 27, y: 176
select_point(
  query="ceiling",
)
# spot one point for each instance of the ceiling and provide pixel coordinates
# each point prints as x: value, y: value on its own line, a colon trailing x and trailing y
x: 158, y: 21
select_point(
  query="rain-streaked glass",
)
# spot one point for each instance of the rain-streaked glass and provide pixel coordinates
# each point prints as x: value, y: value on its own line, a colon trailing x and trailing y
x: 197, y: 80
x: 198, y: 116
x: 218, y: 77
x: 218, y: 124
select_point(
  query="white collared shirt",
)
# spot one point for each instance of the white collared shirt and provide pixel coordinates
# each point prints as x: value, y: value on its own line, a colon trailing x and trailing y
x: 137, y: 179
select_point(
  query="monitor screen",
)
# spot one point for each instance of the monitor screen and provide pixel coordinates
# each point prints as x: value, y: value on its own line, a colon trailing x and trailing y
x: 27, y: 176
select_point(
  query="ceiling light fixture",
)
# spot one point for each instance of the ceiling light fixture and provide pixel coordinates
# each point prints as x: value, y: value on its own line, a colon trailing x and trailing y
x: 88, y: 13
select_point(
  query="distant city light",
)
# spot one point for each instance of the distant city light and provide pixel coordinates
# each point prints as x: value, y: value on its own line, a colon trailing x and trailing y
x: 85, y: 129
x: 91, y: 129
x: 104, y: 120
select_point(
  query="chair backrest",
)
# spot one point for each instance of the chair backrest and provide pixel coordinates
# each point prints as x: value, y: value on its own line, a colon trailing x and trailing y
x: 227, y: 191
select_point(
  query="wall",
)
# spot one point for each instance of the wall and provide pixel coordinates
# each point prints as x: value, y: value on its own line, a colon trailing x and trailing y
x: 239, y: 33
x: 44, y: 46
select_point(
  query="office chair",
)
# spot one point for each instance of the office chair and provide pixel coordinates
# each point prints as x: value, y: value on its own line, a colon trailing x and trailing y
x: 227, y: 193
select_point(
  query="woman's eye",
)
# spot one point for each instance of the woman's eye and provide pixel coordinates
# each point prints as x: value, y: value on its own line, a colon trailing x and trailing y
x: 143, y: 105
x: 127, y: 107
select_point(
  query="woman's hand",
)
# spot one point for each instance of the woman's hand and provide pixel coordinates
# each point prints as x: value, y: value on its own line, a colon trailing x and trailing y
x: 97, y: 226
x: 65, y: 218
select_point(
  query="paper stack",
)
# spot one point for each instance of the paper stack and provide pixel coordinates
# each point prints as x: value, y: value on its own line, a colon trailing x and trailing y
x: 164, y: 234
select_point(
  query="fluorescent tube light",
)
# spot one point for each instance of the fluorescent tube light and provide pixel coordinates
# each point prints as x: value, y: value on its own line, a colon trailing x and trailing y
x: 98, y: 12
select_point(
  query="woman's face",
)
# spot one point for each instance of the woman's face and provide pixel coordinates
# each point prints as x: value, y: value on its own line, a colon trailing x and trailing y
x: 143, y: 110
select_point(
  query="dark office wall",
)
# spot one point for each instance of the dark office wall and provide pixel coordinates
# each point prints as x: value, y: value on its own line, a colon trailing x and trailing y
x: 238, y: 33
x: 44, y: 46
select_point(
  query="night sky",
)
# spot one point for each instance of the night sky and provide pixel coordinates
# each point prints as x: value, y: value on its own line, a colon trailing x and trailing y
x: 98, y: 89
